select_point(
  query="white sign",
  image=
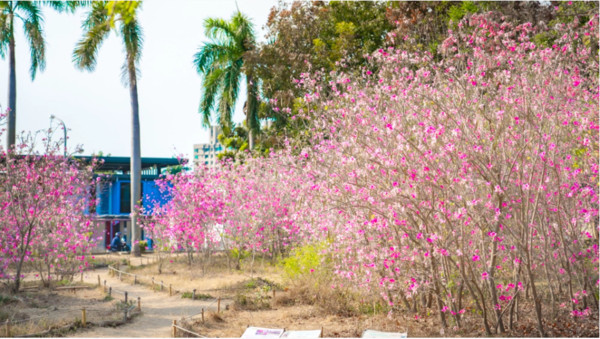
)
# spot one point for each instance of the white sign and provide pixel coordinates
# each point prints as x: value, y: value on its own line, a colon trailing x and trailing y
x: 302, y: 334
x: 378, y: 334
x: 262, y: 333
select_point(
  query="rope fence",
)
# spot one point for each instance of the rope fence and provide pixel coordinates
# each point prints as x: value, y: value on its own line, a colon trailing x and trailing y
x: 175, y: 327
x: 81, y: 319
x: 155, y: 286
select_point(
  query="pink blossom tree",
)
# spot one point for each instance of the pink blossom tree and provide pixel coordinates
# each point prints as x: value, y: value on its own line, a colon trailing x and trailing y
x: 44, y: 211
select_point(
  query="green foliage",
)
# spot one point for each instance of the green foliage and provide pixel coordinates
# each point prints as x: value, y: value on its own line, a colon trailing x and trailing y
x: 175, y: 169
x: 258, y: 300
x: 63, y: 282
x: 7, y: 299
x: 239, y: 254
x: 302, y: 260
x: 143, y: 246
x: 372, y: 308
x: 457, y: 12
x: 221, y: 63
x: 199, y: 296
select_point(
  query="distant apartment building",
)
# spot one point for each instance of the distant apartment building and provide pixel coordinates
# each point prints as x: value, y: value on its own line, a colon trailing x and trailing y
x: 206, y: 154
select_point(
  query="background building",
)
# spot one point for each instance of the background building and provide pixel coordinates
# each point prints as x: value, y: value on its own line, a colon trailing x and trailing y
x: 206, y: 154
x: 112, y: 191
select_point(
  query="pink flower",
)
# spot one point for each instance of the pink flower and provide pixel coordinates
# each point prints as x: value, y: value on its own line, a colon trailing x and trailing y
x: 484, y: 275
x: 475, y: 258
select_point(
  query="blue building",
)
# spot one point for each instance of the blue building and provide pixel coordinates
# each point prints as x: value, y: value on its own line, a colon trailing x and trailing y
x: 113, y: 195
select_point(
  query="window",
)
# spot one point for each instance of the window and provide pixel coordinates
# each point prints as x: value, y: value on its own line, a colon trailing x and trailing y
x: 125, y: 194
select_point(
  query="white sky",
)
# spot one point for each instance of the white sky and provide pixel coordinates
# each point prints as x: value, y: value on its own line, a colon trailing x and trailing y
x: 96, y: 107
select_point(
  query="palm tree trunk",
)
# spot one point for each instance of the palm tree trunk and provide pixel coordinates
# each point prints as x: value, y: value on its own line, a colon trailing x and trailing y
x: 250, y: 101
x: 136, y: 162
x: 12, y: 88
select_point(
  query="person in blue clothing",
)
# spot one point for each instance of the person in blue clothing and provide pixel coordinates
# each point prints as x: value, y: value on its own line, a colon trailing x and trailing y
x: 116, y: 244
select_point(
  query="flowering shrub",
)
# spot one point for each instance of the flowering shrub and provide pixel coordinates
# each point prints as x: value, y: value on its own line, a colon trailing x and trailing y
x: 44, y: 204
x: 472, y: 180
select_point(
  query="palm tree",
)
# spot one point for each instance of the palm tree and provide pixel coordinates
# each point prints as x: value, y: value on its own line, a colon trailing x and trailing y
x: 30, y: 15
x: 221, y: 63
x: 120, y: 16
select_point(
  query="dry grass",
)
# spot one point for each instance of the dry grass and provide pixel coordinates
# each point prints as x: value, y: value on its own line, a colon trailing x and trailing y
x: 36, y: 311
x: 216, y: 280
x: 299, y: 317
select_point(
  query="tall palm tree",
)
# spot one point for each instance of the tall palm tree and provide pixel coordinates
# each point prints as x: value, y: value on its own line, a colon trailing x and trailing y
x: 30, y: 15
x: 221, y: 62
x: 120, y: 16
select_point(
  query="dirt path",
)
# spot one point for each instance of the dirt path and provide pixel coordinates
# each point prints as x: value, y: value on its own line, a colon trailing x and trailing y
x: 158, y: 310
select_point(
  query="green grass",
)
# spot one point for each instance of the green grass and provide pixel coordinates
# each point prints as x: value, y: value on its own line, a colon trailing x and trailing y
x: 199, y: 296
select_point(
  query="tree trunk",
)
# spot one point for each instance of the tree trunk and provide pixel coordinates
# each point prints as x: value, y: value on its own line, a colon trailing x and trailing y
x: 250, y: 110
x: 12, y: 89
x: 136, y: 160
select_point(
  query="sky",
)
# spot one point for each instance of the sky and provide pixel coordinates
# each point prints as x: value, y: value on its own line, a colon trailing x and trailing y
x: 95, y: 106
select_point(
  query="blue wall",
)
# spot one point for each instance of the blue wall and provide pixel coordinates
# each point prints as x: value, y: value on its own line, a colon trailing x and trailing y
x: 109, y: 195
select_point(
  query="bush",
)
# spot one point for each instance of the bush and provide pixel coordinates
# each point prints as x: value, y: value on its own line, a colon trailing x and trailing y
x: 303, y: 260
x: 143, y: 246
x: 199, y: 296
x: 252, y: 302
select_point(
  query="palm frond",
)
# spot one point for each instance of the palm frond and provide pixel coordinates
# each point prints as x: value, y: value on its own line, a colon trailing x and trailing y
x: 133, y: 39
x: 218, y: 29
x: 98, y: 15
x: 97, y: 29
x: 212, y: 82
x: 211, y: 54
x: 37, y: 49
x: 225, y: 109
x: 231, y: 87
x: 65, y: 6
x: 4, y: 33
x: 32, y: 26
x: 244, y: 31
x: 125, y: 78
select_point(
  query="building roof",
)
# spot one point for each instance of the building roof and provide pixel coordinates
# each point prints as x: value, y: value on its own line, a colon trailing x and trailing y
x: 124, y: 163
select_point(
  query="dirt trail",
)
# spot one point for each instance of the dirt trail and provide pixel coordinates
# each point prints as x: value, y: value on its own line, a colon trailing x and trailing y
x: 158, y: 310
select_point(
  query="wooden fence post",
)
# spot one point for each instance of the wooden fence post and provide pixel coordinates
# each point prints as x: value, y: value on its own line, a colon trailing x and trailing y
x: 110, y: 291
x: 81, y: 276
x: 273, y: 294
x: 161, y: 285
x: 219, y: 305
x: 99, y: 283
x: 202, y: 315
x: 170, y: 290
x: 83, y: 318
x: 120, y: 276
x: 153, y: 287
x: 104, y: 286
x: 139, y: 304
x: 194, y: 294
x: 126, y: 297
x: 135, y: 279
x: 174, y: 328
x: 7, y: 328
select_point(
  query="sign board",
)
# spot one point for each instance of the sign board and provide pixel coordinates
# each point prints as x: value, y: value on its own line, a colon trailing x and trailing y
x: 302, y: 334
x: 262, y: 333
x: 378, y: 334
